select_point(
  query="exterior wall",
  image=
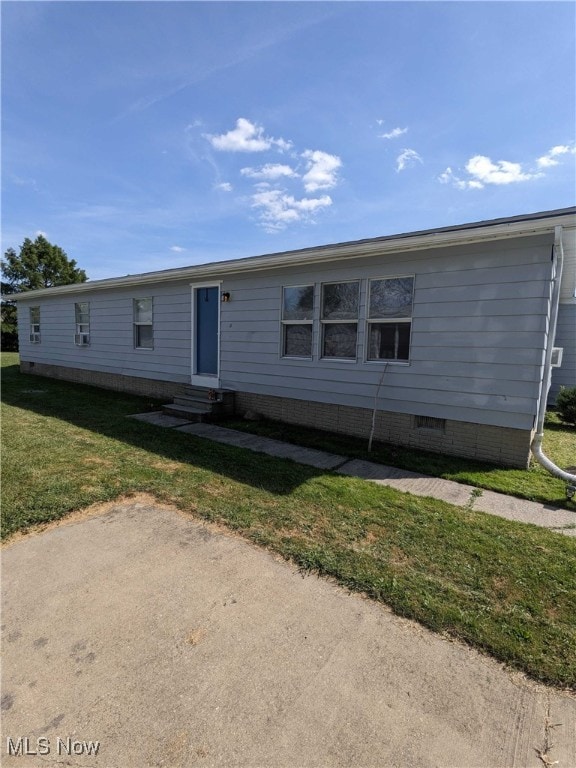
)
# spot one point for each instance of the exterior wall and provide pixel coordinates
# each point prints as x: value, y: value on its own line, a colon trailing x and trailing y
x: 135, y: 385
x: 510, y: 447
x: 111, y: 348
x: 478, y: 335
x: 565, y: 376
x: 477, y: 347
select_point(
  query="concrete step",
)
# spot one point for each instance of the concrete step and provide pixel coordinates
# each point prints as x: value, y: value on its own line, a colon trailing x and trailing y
x: 206, y: 393
x: 195, y: 402
x: 201, y: 403
x: 187, y: 412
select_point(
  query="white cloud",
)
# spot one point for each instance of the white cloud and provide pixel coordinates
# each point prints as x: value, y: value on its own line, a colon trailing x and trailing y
x: 322, y: 170
x: 177, y: 248
x: 449, y: 177
x: 40, y: 233
x: 484, y: 171
x: 551, y: 157
x: 276, y: 192
x: 277, y: 209
x: 282, y: 144
x: 245, y: 137
x: 19, y: 181
x: 394, y: 133
x: 269, y: 171
x: 407, y: 158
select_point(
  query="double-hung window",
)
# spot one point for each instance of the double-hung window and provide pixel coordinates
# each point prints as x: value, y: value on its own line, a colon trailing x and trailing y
x: 390, y: 318
x: 297, y: 317
x: 35, y: 325
x: 143, y: 328
x: 339, y: 318
x: 82, y: 317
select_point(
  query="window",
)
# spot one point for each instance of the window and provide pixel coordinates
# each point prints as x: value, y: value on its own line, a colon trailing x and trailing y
x: 390, y: 318
x: 339, y: 318
x: 143, y: 331
x: 82, y: 316
x: 297, y: 315
x: 35, y: 325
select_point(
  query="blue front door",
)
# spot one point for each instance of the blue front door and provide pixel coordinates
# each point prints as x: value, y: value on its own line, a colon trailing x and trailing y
x: 206, y: 363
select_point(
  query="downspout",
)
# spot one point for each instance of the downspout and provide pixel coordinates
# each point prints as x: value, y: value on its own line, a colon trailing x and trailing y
x: 538, y: 437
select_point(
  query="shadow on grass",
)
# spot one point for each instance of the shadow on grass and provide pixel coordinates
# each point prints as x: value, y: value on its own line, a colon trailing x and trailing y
x: 106, y: 412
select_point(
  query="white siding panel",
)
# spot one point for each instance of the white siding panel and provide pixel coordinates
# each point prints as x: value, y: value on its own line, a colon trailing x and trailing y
x: 565, y: 376
x: 478, y: 355
x: 477, y: 308
x: 568, y: 285
x: 510, y: 340
x: 478, y: 333
x: 111, y: 346
x: 493, y: 292
x: 477, y: 324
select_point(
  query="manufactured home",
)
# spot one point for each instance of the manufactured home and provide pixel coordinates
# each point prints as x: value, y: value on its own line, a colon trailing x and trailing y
x: 444, y: 334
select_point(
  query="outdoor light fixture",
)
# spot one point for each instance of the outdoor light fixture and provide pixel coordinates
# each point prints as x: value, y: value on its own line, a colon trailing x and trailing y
x: 225, y: 296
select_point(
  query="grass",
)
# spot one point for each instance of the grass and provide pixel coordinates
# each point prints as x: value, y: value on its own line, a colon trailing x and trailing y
x: 535, y: 483
x: 502, y: 587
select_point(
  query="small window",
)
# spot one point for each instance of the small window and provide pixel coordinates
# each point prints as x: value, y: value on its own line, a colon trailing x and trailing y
x: 340, y: 303
x: 390, y: 318
x: 35, y: 325
x: 297, y: 317
x: 82, y: 316
x: 143, y: 329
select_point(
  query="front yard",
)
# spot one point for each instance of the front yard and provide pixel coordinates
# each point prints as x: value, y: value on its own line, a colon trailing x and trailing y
x: 503, y: 587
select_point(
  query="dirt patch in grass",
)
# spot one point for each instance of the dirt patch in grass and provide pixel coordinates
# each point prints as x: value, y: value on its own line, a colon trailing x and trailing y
x: 96, y: 460
x: 166, y: 466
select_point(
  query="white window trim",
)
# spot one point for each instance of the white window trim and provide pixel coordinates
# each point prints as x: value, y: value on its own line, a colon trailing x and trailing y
x: 324, y: 323
x: 284, y: 323
x: 136, y: 323
x: 82, y: 335
x: 35, y: 334
x: 381, y: 320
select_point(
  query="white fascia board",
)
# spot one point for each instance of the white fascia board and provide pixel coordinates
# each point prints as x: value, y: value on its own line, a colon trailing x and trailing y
x: 329, y: 253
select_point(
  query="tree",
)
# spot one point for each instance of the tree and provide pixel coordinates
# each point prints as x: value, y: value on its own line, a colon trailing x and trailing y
x: 38, y: 265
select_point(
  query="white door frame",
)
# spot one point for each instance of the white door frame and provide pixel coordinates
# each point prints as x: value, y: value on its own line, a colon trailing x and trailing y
x: 196, y: 379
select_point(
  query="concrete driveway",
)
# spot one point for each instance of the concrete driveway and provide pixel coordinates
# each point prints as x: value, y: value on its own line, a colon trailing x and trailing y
x: 137, y: 636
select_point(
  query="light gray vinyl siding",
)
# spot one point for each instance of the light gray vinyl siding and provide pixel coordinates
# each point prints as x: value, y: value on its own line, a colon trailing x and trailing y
x: 565, y: 376
x: 111, y: 347
x: 477, y: 346
x: 478, y: 334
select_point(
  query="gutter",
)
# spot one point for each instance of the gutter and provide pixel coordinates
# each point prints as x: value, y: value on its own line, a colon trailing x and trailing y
x: 536, y: 446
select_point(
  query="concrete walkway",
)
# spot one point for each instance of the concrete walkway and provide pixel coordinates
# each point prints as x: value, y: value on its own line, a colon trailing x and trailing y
x: 134, y: 636
x: 547, y: 516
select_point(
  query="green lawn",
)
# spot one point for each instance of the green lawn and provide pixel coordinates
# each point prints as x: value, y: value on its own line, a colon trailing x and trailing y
x: 535, y: 484
x: 502, y: 587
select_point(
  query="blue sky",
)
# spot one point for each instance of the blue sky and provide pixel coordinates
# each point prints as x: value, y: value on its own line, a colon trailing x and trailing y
x: 148, y: 135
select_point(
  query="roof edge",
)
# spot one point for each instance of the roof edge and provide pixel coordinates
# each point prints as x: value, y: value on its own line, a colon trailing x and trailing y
x: 474, y: 232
